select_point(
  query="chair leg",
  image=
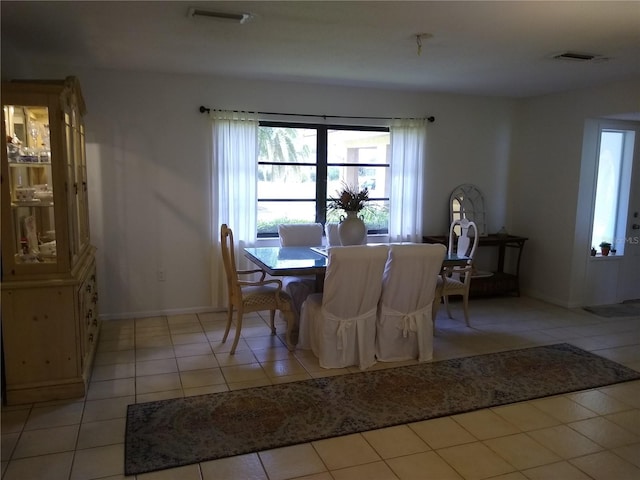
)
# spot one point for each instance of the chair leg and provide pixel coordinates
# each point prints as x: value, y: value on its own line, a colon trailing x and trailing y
x: 434, y: 309
x: 272, y: 317
x: 290, y: 319
x: 229, y: 321
x: 238, y: 328
x: 465, y: 304
x: 446, y: 303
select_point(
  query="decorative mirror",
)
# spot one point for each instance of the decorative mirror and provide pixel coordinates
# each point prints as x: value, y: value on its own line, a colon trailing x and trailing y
x: 466, y: 201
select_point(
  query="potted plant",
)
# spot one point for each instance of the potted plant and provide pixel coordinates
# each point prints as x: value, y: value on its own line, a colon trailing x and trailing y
x: 351, y: 229
x: 605, y: 247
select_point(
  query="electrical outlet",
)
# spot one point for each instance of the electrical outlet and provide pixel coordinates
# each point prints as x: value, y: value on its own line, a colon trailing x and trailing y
x: 161, y: 276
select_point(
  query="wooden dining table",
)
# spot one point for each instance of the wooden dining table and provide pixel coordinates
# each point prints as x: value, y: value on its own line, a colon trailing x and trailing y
x: 296, y: 261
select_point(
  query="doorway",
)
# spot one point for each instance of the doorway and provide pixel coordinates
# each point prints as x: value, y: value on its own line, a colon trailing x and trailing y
x: 609, y: 183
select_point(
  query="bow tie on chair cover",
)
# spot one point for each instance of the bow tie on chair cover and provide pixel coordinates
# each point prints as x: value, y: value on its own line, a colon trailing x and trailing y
x: 417, y: 323
x: 344, y: 325
x: 408, y: 321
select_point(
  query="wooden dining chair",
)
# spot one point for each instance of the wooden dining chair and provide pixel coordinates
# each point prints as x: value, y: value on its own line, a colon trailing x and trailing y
x: 251, y: 296
x: 463, y: 240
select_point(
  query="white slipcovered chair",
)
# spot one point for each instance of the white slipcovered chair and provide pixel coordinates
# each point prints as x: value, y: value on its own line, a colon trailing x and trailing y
x: 300, y: 234
x: 333, y: 238
x: 300, y: 287
x: 463, y: 240
x: 404, y: 329
x: 339, y: 325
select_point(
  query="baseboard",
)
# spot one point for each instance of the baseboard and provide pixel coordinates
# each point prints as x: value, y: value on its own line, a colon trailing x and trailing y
x: 160, y: 313
x: 526, y: 292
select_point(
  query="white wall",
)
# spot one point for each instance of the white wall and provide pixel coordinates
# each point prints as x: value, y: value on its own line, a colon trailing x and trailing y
x: 149, y: 161
x: 544, y: 185
x: 149, y: 149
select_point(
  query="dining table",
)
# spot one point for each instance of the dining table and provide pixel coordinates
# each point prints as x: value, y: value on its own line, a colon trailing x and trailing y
x: 296, y: 261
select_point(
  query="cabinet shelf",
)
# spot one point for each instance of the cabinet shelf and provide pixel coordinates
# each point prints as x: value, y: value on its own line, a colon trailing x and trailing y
x: 28, y: 164
x: 34, y: 203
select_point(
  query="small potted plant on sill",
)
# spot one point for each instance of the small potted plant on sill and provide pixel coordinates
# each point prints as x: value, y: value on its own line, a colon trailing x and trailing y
x: 605, y: 247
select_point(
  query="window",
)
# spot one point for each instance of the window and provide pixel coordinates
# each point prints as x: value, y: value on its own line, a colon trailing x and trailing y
x: 300, y: 166
x: 612, y: 188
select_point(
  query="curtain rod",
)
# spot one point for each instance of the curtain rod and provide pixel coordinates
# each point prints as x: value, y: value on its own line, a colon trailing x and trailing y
x: 208, y: 110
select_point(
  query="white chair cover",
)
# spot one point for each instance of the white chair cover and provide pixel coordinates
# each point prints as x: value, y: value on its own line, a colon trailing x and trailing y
x: 339, y: 324
x: 300, y: 234
x: 404, y: 329
x: 333, y: 238
x: 300, y: 287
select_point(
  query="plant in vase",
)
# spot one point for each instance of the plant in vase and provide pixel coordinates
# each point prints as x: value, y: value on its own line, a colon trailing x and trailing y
x: 604, y: 248
x: 352, y: 230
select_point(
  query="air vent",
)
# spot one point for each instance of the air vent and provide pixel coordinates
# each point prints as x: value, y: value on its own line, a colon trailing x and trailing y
x: 223, y: 16
x: 578, y: 57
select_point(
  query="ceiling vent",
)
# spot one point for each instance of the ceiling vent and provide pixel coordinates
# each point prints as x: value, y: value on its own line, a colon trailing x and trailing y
x: 578, y: 57
x: 222, y: 16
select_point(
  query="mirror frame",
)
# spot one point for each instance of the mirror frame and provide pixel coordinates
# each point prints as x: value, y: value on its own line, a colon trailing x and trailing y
x: 467, y: 201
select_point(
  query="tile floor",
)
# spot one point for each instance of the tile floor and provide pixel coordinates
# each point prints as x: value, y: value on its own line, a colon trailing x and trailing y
x: 592, y: 434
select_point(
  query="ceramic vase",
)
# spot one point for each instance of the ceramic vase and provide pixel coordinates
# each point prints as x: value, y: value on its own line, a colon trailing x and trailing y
x: 352, y: 230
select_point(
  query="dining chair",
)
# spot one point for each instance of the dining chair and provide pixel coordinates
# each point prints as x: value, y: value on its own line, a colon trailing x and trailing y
x: 247, y: 296
x: 300, y: 234
x: 404, y: 327
x: 299, y: 287
x: 331, y: 232
x: 339, y: 324
x: 463, y: 240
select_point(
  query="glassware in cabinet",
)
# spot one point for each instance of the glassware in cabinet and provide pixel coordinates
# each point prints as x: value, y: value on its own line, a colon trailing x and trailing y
x: 30, y: 183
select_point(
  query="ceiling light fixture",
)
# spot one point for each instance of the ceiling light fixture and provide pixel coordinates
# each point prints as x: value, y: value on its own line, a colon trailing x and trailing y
x: 223, y: 16
x: 419, y: 38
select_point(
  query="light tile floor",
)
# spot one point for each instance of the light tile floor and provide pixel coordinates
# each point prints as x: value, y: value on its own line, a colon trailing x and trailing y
x: 592, y: 434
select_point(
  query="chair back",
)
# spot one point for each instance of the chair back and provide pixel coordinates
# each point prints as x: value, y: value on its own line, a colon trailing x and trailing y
x: 353, y: 279
x: 229, y: 260
x: 463, y: 238
x: 333, y: 237
x: 410, y: 276
x: 300, y: 234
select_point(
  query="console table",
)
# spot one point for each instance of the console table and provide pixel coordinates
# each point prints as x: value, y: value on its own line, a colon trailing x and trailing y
x: 501, y: 282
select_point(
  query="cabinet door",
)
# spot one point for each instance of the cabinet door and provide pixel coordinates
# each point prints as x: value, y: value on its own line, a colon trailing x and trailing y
x: 83, y: 196
x: 69, y: 159
x: 39, y: 334
x: 28, y: 196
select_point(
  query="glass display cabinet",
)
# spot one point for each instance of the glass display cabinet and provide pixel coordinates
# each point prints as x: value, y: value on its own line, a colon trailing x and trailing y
x: 49, y: 297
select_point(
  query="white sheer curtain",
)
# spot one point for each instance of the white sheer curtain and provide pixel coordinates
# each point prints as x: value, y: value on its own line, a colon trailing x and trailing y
x: 233, y: 189
x: 408, y: 151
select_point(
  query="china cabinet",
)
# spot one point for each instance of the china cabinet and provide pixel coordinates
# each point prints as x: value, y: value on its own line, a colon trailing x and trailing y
x: 49, y: 295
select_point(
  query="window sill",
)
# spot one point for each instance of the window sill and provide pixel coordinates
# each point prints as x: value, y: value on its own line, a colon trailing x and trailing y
x: 599, y: 258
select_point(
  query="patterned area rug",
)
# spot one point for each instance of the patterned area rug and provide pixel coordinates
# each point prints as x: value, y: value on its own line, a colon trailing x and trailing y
x: 171, y: 433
